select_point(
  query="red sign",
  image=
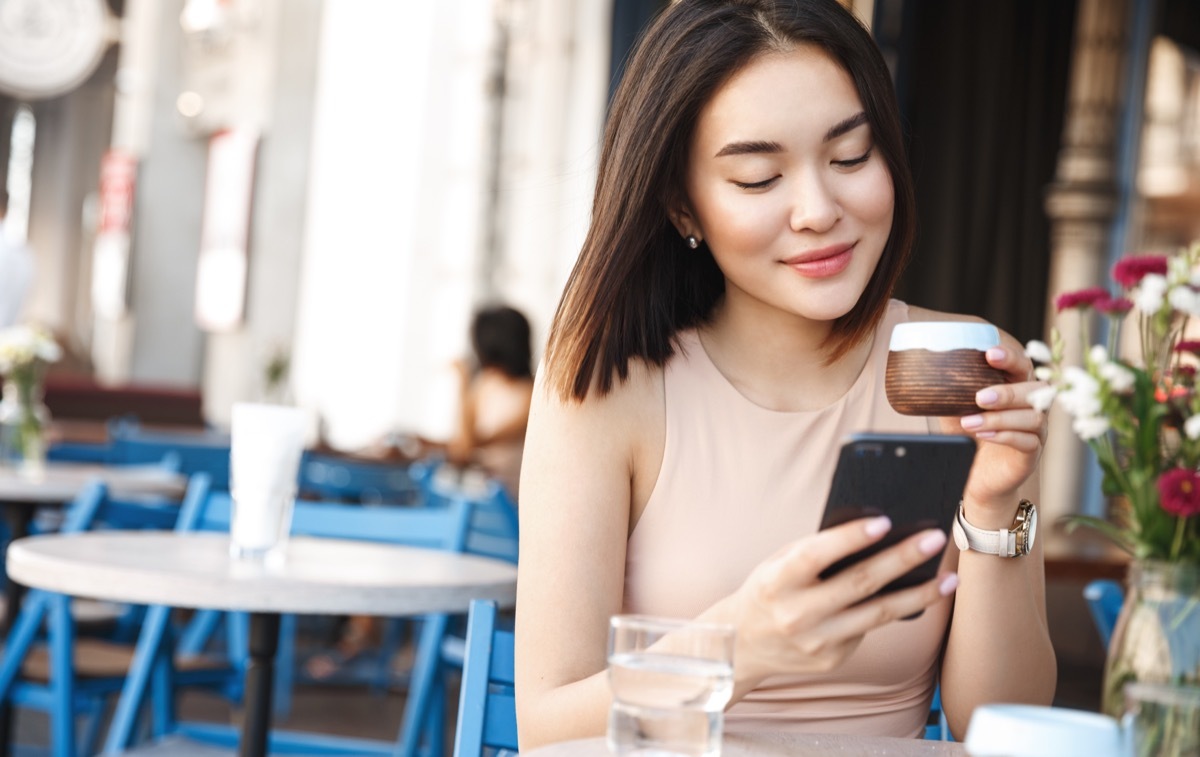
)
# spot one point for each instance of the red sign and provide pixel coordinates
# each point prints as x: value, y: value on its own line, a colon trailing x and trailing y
x: 118, y: 169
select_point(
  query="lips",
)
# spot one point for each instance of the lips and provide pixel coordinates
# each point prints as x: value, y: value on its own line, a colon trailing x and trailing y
x: 822, y: 263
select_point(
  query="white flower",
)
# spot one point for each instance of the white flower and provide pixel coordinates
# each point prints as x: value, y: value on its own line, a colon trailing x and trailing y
x: 1042, y: 398
x: 20, y: 346
x: 1038, y: 351
x: 1148, y: 295
x: 1097, y: 355
x: 1185, y: 300
x: 1043, y: 373
x: 1178, y: 270
x: 1119, y: 378
x: 1081, y: 398
x: 1090, y: 427
x: 1191, y: 427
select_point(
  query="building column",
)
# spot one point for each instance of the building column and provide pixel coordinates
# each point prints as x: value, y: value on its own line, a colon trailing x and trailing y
x: 1082, y: 203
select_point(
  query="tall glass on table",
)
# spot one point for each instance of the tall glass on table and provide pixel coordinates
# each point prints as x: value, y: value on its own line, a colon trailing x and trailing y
x: 265, y: 448
x: 670, y: 680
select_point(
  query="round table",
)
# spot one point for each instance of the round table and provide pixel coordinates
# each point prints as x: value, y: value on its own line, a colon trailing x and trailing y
x: 22, y: 492
x: 779, y: 745
x: 314, y: 576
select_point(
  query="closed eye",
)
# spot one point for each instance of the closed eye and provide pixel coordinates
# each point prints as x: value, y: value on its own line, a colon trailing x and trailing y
x: 755, y: 184
x: 854, y: 161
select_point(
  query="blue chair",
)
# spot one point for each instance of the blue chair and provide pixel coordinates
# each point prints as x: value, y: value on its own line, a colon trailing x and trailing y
x: 63, y: 674
x: 151, y: 674
x: 487, y: 710
x: 1104, y: 600
x: 337, y: 479
x: 193, y: 453
x: 936, y: 728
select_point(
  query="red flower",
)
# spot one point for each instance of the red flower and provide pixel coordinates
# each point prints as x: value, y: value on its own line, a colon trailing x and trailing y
x: 1179, y: 492
x: 1082, y: 299
x: 1113, y: 305
x: 1188, y: 346
x: 1129, y: 271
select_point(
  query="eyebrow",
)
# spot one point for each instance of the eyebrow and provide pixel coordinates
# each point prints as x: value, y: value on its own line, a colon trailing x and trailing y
x: 753, y: 147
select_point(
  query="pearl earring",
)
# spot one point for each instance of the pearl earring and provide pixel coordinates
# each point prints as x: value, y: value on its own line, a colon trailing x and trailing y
x: 692, y: 241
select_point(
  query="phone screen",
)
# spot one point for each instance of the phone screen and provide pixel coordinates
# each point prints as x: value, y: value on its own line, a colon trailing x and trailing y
x: 917, y: 481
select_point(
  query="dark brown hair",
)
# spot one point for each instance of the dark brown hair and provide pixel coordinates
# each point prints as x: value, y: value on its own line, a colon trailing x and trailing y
x: 636, y: 284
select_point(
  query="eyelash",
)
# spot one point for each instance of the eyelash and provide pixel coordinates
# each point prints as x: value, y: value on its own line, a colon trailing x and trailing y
x: 840, y: 163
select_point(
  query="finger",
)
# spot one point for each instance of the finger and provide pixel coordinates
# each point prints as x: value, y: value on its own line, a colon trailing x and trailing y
x: 864, y: 578
x: 1021, y: 441
x: 858, y: 620
x: 1026, y: 420
x: 1003, y: 396
x: 1013, y: 362
x: 803, y: 562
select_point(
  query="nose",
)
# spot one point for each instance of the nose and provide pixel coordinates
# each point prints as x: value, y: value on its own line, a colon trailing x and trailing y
x: 814, y: 205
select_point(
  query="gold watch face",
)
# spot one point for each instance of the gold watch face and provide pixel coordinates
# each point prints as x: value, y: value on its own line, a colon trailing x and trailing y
x: 1025, y: 525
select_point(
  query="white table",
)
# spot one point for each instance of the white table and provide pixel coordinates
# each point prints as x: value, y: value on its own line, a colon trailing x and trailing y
x: 317, y: 576
x: 780, y: 745
x: 21, y: 493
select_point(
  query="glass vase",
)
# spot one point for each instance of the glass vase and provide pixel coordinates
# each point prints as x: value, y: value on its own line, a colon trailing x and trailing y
x: 23, y: 423
x: 1157, y: 636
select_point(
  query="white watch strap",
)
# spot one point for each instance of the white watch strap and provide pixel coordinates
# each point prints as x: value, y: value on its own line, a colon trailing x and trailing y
x: 1002, y: 542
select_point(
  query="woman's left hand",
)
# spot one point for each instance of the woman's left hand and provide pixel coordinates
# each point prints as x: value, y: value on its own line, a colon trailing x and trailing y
x: 1009, y: 431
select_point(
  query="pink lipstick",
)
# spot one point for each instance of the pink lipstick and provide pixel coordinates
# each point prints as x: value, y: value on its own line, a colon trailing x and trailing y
x: 822, y: 263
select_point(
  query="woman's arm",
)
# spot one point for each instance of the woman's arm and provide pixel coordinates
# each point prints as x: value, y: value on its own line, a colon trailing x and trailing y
x: 999, y: 644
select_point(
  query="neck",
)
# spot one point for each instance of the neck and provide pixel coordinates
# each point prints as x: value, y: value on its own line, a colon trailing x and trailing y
x: 778, y: 361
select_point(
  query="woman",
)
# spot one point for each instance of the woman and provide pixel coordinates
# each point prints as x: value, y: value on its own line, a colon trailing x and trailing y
x: 725, y: 326
x: 494, y: 396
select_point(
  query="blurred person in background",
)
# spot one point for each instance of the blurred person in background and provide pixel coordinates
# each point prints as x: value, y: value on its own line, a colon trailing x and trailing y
x: 495, y: 392
x: 16, y: 272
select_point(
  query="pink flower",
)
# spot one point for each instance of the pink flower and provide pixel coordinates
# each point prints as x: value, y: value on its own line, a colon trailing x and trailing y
x: 1129, y: 271
x: 1082, y: 299
x: 1113, y: 305
x: 1188, y: 346
x: 1179, y: 492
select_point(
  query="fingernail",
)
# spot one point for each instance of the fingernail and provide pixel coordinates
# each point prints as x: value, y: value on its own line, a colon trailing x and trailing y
x: 932, y: 542
x: 997, y: 353
x: 878, y: 526
x: 948, y: 585
x: 972, y: 421
x: 986, y: 397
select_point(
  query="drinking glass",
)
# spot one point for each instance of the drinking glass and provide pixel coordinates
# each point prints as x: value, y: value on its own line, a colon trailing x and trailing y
x: 266, y: 442
x: 1163, y: 719
x: 670, y: 680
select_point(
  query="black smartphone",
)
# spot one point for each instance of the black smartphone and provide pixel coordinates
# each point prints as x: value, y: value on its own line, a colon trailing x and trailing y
x: 917, y: 481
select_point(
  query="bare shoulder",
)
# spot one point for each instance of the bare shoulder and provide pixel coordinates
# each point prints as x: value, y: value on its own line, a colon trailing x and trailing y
x: 925, y: 314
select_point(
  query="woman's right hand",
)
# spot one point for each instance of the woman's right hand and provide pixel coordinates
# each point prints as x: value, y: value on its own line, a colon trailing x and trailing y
x: 789, y: 620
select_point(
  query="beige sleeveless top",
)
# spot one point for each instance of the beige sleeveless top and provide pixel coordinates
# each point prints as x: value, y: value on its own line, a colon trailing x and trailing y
x: 737, y: 483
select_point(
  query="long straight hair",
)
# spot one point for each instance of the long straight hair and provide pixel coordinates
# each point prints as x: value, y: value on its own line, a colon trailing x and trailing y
x: 636, y: 284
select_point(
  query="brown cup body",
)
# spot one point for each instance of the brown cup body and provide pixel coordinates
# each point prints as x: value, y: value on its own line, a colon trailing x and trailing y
x: 928, y: 382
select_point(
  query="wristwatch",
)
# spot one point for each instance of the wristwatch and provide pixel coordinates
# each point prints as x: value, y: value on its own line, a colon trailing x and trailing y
x: 1007, y: 542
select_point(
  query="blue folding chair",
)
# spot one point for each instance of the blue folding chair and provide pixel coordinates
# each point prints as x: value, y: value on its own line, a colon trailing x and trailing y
x: 61, y: 673
x: 151, y: 674
x: 1104, y: 600
x: 487, y: 710
x: 193, y: 453
x: 372, y: 483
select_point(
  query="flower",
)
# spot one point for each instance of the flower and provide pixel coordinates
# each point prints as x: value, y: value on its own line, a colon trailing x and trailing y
x: 22, y: 347
x: 1141, y: 416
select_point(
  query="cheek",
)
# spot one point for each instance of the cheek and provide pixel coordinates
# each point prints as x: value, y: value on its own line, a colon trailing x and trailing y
x: 736, y: 224
x: 873, y: 198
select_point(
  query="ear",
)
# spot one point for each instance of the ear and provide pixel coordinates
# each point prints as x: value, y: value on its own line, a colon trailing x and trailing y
x: 684, y: 220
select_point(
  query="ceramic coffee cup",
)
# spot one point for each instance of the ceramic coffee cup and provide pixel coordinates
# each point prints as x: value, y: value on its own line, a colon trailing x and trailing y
x: 1020, y: 730
x: 936, y: 367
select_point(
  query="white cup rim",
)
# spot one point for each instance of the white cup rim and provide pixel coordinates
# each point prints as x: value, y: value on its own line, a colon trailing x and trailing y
x: 942, y: 336
x: 1017, y: 730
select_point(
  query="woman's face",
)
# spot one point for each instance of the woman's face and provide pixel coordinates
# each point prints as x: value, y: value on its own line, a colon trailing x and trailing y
x: 785, y: 186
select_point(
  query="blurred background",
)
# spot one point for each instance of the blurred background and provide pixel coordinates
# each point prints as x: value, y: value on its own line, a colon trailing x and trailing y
x: 305, y: 200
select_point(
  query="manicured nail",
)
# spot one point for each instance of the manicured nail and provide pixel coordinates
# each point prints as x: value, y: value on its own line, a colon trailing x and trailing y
x: 948, y: 585
x: 996, y: 354
x: 972, y: 421
x: 878, y: 526
x: 932, y: 542
x: 986, y: 397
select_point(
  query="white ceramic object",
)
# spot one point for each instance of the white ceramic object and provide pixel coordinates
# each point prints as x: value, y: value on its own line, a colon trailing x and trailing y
x: 1018, y: 730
